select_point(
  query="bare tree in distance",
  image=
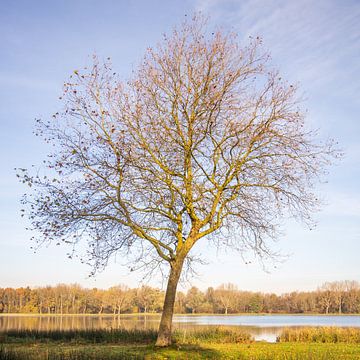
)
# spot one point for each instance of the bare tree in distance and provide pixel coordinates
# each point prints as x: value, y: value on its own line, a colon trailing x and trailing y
x: 205, y: 137
x: 225, y: 295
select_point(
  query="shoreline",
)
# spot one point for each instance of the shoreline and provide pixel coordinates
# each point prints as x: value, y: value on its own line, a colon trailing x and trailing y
x: 180, y: 314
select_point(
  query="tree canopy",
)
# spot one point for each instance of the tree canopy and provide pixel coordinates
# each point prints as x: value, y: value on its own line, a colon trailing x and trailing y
x: 205, y: 137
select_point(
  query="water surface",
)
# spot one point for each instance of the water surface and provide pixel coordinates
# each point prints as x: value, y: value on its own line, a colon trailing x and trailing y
x: 262, y: 327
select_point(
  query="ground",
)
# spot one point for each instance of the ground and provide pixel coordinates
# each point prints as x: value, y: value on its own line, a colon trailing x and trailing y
x: 259, y: 350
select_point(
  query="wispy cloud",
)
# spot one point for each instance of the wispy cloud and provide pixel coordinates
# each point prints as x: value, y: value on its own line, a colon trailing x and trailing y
x: 343, y: 204
x: 10, y: 80
x: 315, y: 42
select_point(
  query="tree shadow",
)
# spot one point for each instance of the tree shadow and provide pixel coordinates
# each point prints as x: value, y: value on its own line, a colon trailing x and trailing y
x: 151, y: 352
x: 176, y: 351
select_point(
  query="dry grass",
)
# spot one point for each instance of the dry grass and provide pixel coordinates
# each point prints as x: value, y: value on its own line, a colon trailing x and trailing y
x: 321, y: 335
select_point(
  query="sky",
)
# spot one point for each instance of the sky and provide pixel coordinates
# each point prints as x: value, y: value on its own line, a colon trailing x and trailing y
x: 313, y: 43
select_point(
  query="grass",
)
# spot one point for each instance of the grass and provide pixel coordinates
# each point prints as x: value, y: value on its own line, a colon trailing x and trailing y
x: 321, y: 335
x: 216, y: 343
x: 254, y: 351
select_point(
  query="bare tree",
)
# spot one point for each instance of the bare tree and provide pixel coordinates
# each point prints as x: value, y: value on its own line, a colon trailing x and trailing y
x: 325, y: 296
x: 118, y: 298
x: 226, y: 296
x: 352, y: 288
x: 205, y: 137
x: 338, y: 289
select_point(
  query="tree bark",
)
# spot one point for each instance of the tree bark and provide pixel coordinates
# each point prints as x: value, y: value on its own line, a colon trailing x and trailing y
x: 164, y: 335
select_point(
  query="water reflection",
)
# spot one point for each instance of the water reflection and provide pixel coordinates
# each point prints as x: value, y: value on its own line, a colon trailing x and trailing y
x: 74, y: 322
x: 266, y: 327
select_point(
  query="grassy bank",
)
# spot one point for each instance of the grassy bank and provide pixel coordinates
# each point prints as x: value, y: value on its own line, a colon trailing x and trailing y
x: 217, y: 343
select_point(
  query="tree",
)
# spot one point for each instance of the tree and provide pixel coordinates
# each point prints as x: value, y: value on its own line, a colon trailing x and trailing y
x: 179, y: 306
x: 225, y: 296
x: 338, y: 289
x: 118, y: 298
x: 352, y: 295
x: 194, y: 299
x: 148, y: 299
x: 325, y: 296
x: 205, y: 137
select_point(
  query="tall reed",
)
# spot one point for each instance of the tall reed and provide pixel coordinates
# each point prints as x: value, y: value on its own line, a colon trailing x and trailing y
x: 7, y: 353
x: 216, y: 335
x: 321, y: 335
x: 92, y: 336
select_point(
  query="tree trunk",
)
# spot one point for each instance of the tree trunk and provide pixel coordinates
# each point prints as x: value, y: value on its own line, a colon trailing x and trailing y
x: 164, y: 335
x: 340, y: 305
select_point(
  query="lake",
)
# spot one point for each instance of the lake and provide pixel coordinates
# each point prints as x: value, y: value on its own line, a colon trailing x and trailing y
x: 262, y: 327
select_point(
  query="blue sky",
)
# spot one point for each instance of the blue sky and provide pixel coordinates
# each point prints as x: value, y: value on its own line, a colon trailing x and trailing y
x: 314, y: 43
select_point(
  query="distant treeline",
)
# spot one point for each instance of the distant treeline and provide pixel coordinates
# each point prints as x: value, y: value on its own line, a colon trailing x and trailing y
x: 331, y: 297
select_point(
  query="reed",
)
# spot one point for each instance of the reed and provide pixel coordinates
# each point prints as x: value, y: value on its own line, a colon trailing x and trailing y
x: 321, y: 335
x: 215, y: 335
x: 24, y: 354
x: 9, y: 354
x: 80, y: 336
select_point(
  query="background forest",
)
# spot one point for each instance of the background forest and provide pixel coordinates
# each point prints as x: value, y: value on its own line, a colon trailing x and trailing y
x: 332, y: 297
